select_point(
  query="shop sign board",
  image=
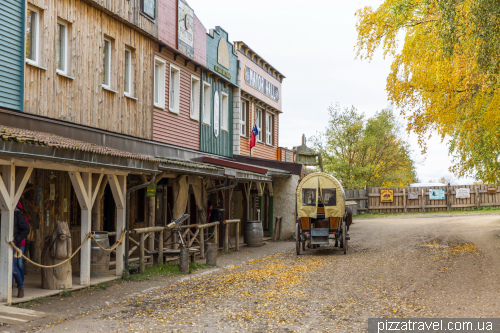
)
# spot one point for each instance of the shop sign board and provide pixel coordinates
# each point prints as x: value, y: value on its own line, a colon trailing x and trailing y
x: 151, y: 191
x: 216, y: 114
x: 413, y: 195
x: 185, y: 29
x: 462, y: 193
x: 222, y: 71
x: 492, y: 190
x: 223, y: 53
x: 436, y: 194
x: 258, y: 82
x: 386, y: 195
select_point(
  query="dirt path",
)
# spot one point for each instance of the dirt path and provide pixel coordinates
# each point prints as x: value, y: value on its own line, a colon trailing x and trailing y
x: 387, y: 273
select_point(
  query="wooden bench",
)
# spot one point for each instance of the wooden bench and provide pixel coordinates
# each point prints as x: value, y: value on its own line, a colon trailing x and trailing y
x: 174, y: 253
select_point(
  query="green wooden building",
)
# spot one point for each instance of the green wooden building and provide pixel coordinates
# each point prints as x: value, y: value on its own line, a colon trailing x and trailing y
x: 219, y: 83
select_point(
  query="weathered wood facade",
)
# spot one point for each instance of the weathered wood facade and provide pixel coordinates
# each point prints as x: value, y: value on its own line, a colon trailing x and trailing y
x: 79, y: 96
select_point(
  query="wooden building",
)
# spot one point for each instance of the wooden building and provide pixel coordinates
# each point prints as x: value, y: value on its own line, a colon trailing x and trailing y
x: 219, y: 83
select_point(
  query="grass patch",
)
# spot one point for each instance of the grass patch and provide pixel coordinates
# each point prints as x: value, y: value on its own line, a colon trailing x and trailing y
x: 165, y: 270
x: 472, y: 210
x: 67, y: 293
x: 29, y: 304
x: 101, y: 286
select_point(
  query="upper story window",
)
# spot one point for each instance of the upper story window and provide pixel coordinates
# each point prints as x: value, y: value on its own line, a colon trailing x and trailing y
x: 32, y: 35
x: 207, y: 102
x: 269, y: 129
x: 62, y: 47
x: 106, y: 69
x: 243, y: 120
x: 258, y: 122
x: 148, y: 8
x: 195, y: 98
x: 159, y: 83
x: 174, y: 87
x: 128, y: 77
x: 225, y: 112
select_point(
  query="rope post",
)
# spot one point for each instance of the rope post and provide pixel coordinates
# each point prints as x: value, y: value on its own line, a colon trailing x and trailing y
x: 216, y: 236
x: 141, y: 253
x: 226, y: 238
x: 160, y: 248
x: 238, y: 236
x: 202, y: 243
x: 184, y: 260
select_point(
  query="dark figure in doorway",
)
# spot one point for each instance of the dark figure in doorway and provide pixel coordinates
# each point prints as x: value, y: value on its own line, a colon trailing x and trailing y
x: 21, y: 231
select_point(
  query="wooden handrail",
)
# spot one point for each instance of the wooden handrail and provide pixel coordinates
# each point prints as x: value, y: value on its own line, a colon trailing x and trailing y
x: 207, y: 225
x: 231, y: 221
x: 146, y: 230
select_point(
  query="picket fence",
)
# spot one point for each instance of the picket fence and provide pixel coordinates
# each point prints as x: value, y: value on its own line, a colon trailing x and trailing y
x: 368, y: 199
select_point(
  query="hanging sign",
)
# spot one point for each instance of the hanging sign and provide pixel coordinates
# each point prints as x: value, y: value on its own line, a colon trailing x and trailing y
x: 413, y: 195
x: 216, y: 114
x: 258, y: 82
x: 185, y: 29
x: 151, y: 191
x: 462, y: 193
x: 492, y: 190
x: 436, y: 194
x: 386, y: 195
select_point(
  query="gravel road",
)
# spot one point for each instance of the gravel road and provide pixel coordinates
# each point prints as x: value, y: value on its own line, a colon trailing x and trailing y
x: 395, y: 267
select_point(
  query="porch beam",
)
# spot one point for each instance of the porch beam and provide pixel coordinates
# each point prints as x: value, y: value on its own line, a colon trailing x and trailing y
x: 96, y: 184
x: 22, y: 177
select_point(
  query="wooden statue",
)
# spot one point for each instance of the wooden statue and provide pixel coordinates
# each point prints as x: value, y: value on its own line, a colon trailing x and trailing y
x: 57, y: 249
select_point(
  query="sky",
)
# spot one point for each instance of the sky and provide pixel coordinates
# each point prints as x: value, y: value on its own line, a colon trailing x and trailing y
x: 312, y: 44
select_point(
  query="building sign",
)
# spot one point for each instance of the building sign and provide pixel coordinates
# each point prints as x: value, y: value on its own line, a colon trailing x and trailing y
x: 185, y: 29
x: 492, y: 190
x: 223, y: 54
x: 258, y: 82
x: 149, y: 8
x: 413, y: 195
x: 386, y: 195
x: 216, y: 113
x: 462, y: 193
x: 222, y: 71
x: 151, y: 191
x: 436, y: 194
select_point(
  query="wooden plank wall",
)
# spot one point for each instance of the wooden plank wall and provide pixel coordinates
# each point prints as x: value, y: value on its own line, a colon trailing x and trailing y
x: 478, y: 198
x: 360, y: 197
x: 82, y: 100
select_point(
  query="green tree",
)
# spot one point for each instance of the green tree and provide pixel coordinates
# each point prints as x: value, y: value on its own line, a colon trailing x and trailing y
x: 360, y: 151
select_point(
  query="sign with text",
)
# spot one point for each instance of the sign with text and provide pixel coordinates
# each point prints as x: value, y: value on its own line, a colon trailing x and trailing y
x: 436, y: 194
x: 185, y: 29
x: 413, y: 195
x: 492, y: 190
x: 258, y: 82
x: 223, y: 54
x: 462, y: 193
x: 386, y: 195
x: 151, y: 191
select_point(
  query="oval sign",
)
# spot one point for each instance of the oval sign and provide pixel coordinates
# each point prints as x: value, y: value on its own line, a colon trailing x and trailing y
x: 216, y: 113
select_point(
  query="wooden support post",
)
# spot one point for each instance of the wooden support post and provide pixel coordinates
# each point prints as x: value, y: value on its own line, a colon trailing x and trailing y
x: 160, y: 248
x: 238, y: 236
x: 7, y: 183
x: 202, y: 243
x: 423, y: 200
x: 119, y: 188
x: 226, y: 238
x: 404, y: 200
x: 184, y: 260
x: 141, y: 253
x: 216, y: 235
x: 212, y: 254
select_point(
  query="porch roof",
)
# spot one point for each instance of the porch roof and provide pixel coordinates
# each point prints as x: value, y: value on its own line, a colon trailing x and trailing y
x: 21, y: 143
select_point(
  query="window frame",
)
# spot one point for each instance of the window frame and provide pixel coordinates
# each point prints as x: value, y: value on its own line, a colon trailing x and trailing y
x: 207, y: 108
x: 146, y: 14
x: 224, y: 126
x: 257, y: 112
x: 130, y: 91
x: 243, y: 119
x: 161, y: 83
x: 196, y: 102
x: 64, y: 71
x: 269, y: 129
x: 35, y: 61
x: 177, y: 84
x: 109, y: 62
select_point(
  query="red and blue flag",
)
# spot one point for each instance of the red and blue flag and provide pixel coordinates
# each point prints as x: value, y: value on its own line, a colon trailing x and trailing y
x: 253, y: 136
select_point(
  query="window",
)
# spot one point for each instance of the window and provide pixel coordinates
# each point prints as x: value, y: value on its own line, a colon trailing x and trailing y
x: 206, y: 103
x: 225, y: 112
x: 329, y: 196
x: 148, y: 8
x: 174, y: 85
x: 159, y: 84
x: 128, y: 73
x: 258, y: 121
x: 106, y: 70
x: 269, y: 129
x: 308, y: 197
x: 62, y: 47
x: 195, y: 98
x: 32, y: 24
x: 243, y: 120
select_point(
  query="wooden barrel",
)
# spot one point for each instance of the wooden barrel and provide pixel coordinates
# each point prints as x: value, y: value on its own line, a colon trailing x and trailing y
x: 254, y: 233
x: 99, y: 259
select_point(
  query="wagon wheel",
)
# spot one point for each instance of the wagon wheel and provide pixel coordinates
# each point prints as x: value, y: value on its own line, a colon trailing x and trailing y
x: 298, y: 236
x: 344, y: 240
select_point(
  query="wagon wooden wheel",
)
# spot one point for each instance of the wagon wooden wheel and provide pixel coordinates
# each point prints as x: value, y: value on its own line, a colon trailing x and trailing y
x: 344, y: 240
x: 298, y: 237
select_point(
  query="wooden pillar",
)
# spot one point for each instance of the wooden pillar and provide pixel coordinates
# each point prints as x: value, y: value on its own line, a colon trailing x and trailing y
x: 7, y: 183
x: 141, y: 253
x: 202, y: 243
x: 238, y: 236
x: 226, y: 238
x: 160, y: 248
x: 119, y: 188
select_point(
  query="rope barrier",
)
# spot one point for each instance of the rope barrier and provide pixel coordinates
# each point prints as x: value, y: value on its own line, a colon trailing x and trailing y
x: 19, y: 252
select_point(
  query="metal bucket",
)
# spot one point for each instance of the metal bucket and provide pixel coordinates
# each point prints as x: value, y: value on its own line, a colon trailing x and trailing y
x: 99, y: 259
x: 254, y: 233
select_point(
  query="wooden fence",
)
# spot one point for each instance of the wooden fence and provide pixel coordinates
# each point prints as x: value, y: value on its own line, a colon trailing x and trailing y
x: 368, y: 199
